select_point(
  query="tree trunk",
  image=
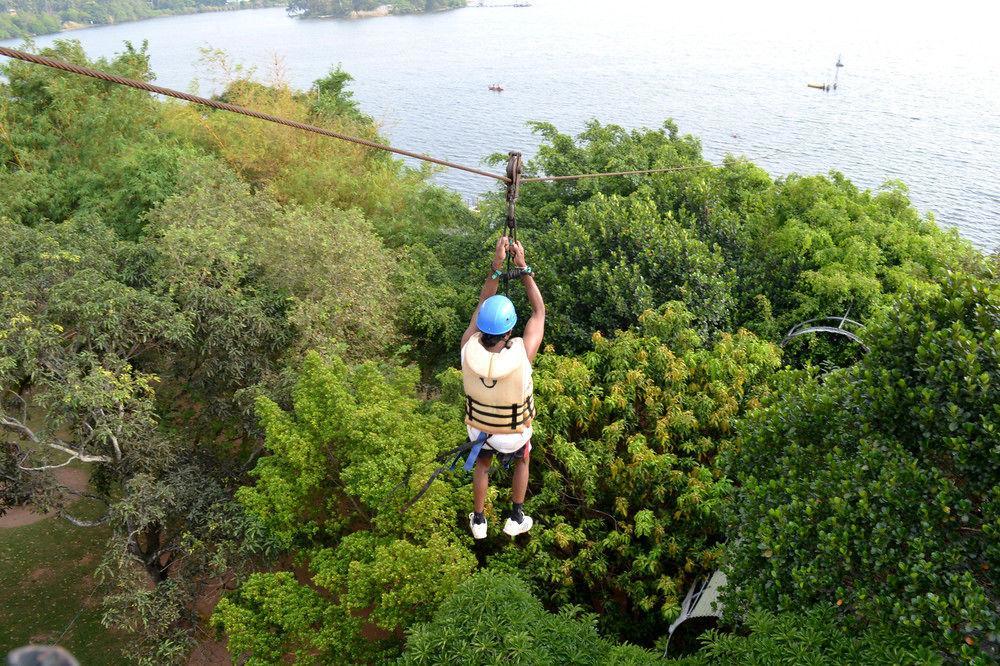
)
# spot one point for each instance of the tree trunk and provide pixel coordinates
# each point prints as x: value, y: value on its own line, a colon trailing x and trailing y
x: 157, y: 572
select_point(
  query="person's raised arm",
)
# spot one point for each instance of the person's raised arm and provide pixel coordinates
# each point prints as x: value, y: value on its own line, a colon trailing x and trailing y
x: 534, y: 330
x: 489, y: 287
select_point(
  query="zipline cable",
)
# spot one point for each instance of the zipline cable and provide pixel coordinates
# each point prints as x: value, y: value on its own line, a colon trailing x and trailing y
x: 512, y: 180
x: 233, y: 108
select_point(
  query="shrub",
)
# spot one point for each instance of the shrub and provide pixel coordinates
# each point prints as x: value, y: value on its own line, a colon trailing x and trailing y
x: 328, y: 494
x: 878, y: 488
x: 812, y: 636
x: 625, y: 489
x: 613, y: 258
x: 492, y: 618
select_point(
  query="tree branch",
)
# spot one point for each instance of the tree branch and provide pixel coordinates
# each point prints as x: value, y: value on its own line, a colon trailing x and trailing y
x: 45, y: 467
x: 58, y: 444
x: 14, y: 424
x: 82, y: 457
x: 85, y: 523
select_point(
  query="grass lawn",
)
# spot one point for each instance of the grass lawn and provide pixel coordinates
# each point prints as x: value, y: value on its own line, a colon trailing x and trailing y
x: 46, y: 577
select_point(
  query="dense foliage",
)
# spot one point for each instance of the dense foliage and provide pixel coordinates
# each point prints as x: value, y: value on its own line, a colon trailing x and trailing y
x: 811, y: 636
x: 878, y: 487
x: 511, y: 626
x: 23, y: 18
x: 153, y: 284
x: 329, y: 491
x: 740, y: 249
x: 625, y: 482
x: 248, y: 334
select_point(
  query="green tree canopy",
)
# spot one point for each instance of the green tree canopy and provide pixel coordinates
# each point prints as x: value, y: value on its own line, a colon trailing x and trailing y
x: 878, y: 488
x: 493, y: 618
x: 627, y: 495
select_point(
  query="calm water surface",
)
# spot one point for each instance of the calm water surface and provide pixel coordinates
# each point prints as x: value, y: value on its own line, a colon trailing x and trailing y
x: 918, y: 100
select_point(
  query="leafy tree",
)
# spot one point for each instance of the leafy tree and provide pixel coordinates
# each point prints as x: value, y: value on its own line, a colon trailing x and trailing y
x: 76, y: 146
x: 39, y: 17
x: 811, y: 636
x: 611, y: 259
x: 876, y: 488
x: 273, y: 615
x: 315, y: 273
x: 767, y: 254
x: 76, y: 343
x: 326, y: 8
x: 137, y: 331
x: 329, y: 492
x: 598, y: 149
x: 624, y: 486
x: 332, y: 96
x: 493, y: 618
x: 296, y: 166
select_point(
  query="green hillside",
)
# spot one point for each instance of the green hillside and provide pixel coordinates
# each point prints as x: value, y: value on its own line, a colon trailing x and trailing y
x: 24, y: 18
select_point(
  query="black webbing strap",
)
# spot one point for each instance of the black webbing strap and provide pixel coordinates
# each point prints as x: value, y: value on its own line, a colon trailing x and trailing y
x: 457, y: 452
x: 462, y: 449
x: 515, y: 274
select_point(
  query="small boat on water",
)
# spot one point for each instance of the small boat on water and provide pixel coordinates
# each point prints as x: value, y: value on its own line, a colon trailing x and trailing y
x: 496, y: 87
x: 827, y: 87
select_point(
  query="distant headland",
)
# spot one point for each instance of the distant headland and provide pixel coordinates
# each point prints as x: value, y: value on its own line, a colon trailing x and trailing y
x: 368, y: 8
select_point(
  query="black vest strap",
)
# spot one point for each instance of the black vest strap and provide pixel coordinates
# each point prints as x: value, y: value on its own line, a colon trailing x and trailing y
x: 494, y: 416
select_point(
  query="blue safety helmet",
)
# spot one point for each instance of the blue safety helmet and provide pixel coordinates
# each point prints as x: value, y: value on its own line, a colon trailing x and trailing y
x: 496, y: 316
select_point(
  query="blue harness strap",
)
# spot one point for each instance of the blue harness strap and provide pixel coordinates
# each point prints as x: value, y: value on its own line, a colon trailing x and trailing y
x: 474, y: 448
x: 477, y: 447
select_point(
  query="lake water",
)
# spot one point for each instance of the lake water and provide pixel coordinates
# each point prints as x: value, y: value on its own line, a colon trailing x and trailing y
x: 918, y: 100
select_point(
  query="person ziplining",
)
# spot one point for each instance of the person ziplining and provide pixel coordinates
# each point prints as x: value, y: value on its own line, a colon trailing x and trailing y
x: 496, y: 377
x: 496, y: 368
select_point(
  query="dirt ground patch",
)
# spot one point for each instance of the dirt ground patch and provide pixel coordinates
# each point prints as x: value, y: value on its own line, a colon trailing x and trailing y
x: 73, y: 478
x: 40, y: 574
x: 20, y: 516
x: 209, y: 653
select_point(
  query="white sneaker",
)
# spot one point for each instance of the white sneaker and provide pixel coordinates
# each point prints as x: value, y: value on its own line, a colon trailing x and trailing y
x: 478, y: 531
x: 514, y: 528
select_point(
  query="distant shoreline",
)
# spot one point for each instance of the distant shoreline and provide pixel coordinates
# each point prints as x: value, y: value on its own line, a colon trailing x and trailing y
x: 71, y: 26
x: 378, y: 12
x: 381, y: 11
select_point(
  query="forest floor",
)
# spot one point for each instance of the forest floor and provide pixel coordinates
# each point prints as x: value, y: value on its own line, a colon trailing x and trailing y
x: 48, y: 593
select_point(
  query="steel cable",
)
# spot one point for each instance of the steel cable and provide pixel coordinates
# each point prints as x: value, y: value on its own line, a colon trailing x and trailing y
x: 233, y: 108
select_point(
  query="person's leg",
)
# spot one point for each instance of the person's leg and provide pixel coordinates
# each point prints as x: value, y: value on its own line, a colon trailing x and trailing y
x: 481, y: 481
x: 518, y: 523
x: 520, y: 483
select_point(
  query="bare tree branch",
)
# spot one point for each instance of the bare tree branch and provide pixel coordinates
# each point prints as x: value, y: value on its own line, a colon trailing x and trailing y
x: 82, y: 457
x: 58, y: 444
x: 45, y: 467
x: 85, y: 523
x: 118, y: 450
x: 17, y: 426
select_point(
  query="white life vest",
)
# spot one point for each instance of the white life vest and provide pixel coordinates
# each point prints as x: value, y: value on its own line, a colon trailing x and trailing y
x: 498, y: 387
